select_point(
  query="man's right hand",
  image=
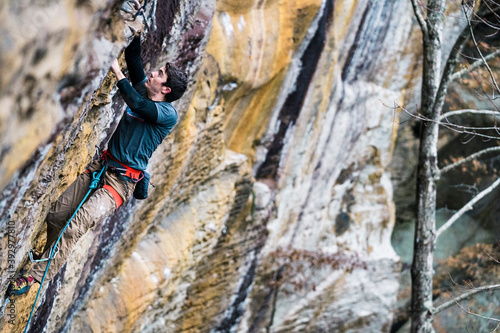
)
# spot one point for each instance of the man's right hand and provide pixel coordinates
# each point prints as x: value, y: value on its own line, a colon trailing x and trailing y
x: 115, y: 68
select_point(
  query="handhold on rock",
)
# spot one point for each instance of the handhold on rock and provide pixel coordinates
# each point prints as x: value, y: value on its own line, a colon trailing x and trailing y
x: 134, y: 9
x: 132, y: 6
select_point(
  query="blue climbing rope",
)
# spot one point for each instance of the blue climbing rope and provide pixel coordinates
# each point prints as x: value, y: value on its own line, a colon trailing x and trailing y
x: 96, y: 177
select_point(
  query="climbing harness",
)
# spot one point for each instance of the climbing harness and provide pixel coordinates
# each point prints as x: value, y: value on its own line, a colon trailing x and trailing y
x: 141, y: 178
x: 120, y: 168
x: 96, y: 177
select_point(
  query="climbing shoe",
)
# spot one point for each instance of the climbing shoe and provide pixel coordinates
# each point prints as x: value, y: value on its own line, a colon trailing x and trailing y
x: 21, y: 285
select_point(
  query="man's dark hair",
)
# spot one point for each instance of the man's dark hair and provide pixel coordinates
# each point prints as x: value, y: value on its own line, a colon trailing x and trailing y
x: 177, y: 81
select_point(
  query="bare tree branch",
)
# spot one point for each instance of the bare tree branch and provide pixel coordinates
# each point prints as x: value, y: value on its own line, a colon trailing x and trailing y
x: 467, y: 32
x: 474, y: 65
x: 466, y: 208
x: 481, y: 15
x: 462, y: 128
x: 465, y: 111
x: 450, y: 68
x: 454, y: 127
x: 420, y: 18
x: 476, y: 314
x: 469, y: 158
x: 466, y: 295
x: 471, y: 28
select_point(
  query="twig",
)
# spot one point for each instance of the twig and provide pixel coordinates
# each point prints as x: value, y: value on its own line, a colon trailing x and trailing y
x: 459, y: 129
x: 477, y: 314
x: 479, y: 51
x: 468, y: 159
x: 469, y: 284
x: 482, y: 15
x: 466, y: 295
x: 454, y: 282
x: 474, y: 65
x: 466, y: 208
x: 491, y: 257
x: 491, y: 10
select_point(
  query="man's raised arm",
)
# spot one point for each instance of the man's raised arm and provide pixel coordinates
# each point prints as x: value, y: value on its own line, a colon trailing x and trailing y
x: 138, y: 103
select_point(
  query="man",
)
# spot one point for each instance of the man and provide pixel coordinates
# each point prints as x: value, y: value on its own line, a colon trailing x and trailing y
x: 148, y: 119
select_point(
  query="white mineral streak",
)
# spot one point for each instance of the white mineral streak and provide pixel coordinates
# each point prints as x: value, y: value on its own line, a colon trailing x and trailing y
x: 353, y: 134
x: 241, y: 23
x: 226, y: 23
x: 262, y: 195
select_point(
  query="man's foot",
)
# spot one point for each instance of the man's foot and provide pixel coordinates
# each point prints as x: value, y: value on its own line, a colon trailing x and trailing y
x: 21, y: 285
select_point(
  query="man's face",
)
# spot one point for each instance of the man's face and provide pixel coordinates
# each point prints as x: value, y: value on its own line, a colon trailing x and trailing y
x: 154, y: 83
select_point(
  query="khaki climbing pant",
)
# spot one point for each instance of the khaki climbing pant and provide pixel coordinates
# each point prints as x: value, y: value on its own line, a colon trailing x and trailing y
x: 96, y: 208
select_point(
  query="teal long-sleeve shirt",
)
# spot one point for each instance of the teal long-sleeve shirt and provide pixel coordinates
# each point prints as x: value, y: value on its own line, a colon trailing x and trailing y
x: 144, y: 124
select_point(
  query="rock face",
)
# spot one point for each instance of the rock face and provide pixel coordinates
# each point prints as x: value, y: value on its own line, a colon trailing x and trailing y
x: 272, y: 209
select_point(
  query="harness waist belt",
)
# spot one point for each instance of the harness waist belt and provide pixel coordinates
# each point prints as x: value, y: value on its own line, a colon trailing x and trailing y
x: 124, y: 170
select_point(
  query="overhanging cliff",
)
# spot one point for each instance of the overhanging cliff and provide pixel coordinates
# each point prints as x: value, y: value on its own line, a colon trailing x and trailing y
x: 272, y: 209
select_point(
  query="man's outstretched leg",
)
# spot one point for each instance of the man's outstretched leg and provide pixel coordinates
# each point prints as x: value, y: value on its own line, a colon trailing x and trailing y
x: 100, y: 205
x: 66, y: 204
x: 56, y: 219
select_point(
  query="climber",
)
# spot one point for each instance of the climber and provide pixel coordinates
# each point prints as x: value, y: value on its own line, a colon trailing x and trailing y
x: 148, y: 118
